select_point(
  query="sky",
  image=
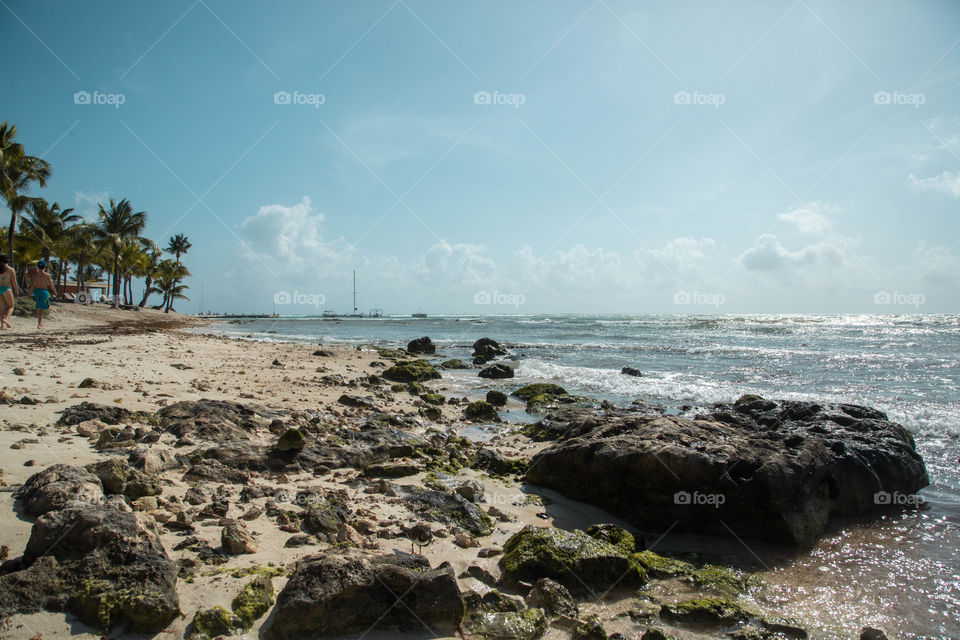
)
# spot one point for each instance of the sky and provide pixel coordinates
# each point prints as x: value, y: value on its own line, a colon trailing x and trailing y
x: 544, y: 156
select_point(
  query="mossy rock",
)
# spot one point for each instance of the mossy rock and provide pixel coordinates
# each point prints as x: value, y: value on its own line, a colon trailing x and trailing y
x: 291, y: 440
x: 659, y: 566
x: 617, y: 536
x: 391, y: 354
x: 716, y: 611
x: 496, y: 398
x: 481, y: 411
x: 214, y: 622
x: 540, y: 388
x: 574, y: 559
x: 432, y: 413
x: 748, y: 398
x: 415, y: 388
x: 718, y: 578
x: 253, y: 601
x: 590, y: 629
x: 454, y: 363
x: 543, y: 402
x: 101, y: 603
x: 411, y: 371
x: 397, y: 388
x: 433, y: 398
x: 505, y: 625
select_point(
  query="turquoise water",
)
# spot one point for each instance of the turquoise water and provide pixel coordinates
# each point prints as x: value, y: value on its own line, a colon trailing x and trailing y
x: 902, y: 572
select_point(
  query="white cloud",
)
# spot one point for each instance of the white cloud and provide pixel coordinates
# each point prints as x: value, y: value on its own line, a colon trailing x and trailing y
x: 289, y: 241
x: 85, y: 203
x: 768, y: 254
x: 455, y: 265
x: 812, y: 218
x: 579, y: 269
x: 946, y: 182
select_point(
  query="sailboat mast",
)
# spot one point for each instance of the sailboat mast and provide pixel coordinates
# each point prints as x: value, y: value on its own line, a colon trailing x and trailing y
x: 354, y: 290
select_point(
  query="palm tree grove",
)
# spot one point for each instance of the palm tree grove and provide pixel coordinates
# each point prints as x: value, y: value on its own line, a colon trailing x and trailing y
x: 111, y: 249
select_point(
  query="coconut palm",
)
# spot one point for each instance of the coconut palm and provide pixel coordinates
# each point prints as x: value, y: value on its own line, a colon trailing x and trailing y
x: 118, y: 224
x: 149, y: 271
x: 83, y: 249
x: 178, y: 245
x: 48, y: 226
x: 18, y: 172
x: 169, y: 275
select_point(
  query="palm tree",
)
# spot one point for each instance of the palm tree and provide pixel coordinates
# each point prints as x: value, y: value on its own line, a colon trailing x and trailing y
x: 83, y: 249
x: 167, y: 282
x: 48, y: 225
x: 18, y: 171
x: 178, y: 245
x: 149, y: 271
x: 118, y: 225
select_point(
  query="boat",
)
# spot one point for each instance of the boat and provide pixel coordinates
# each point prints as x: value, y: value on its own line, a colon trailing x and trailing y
x: 419, y: 314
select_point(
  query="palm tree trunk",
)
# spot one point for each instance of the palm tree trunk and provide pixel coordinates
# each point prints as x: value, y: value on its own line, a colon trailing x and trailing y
x: 146, y: 291
x: 116, y: 277
x: 11, y: 232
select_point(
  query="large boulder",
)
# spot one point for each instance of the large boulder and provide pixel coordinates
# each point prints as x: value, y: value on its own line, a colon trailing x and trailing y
x: 106, y: 414
x: 349, y: 592
x: 775, y: 470
x: 411, y: 371
x: 578, y: 561
x: 422, y: 345
x: 214, y: 419
x: 56, y: 487
x: 103, y: 565
x: 486, y: 349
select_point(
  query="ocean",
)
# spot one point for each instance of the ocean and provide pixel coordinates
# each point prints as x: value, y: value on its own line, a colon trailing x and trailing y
x: 901, y: 572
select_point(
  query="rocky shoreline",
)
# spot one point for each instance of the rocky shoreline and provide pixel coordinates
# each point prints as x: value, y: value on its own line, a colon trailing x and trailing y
x: 281, y: 491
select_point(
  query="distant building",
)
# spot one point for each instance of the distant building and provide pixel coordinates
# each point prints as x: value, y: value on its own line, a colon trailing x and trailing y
x: 91, y: 292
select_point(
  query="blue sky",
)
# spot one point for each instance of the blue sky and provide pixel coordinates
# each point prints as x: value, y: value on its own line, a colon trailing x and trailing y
x: 504, y: 157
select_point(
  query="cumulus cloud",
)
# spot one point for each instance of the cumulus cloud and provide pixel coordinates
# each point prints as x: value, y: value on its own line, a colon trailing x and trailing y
x: 579, y: 269
x: 289, y: 240
x: 768, y: 254
x: 946, y: 182
x: 812, y: 218
x: 453, y: 265
x: 86, y: 203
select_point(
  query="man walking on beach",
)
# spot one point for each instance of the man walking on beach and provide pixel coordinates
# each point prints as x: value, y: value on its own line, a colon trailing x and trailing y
x: 8, y: 291
x: 42, y: 288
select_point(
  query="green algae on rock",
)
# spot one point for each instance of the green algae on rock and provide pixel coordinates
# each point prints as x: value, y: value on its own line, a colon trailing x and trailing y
x: 254, y: 600
x: 291, y: 440
x: 506, y: 625
x: 214, y: 622
x: 411, y: 371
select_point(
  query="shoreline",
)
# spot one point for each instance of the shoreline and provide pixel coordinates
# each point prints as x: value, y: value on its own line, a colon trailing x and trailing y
x: 150, y: 363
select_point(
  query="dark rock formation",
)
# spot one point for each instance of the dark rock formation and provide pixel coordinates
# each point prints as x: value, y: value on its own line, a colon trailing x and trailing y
x: 486, y: 349
x: 497, y: 371
x: 422, y: 345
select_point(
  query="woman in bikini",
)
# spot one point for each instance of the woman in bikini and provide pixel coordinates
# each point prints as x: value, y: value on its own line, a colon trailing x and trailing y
x: 8, y: 291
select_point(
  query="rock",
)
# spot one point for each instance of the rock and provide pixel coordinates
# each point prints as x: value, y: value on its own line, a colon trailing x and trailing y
x: 553, y: 598
x: 869, y: 633
x: 485, y: 350
x: 85, y: 411
x: 392, y: 470
x: 433, y: 398
x: 90, y: 428
x: 719, y: 579
x: 254, y: 600
x: 572, y: 558
x: 236, y: 540
x: 658, y: 566
x: 449, y: 509
x: 497, y: 371
x: 541, y: 388
x: 215, y: 471
x: 497, y: 464
x: 103, y: 565
x: 422, y: 345
x: 324, y: 353
x: 117, y: 477
x: 211, y: 623
x: 589, y: 629
x: 496, y: 398
x: 656, y: 633
x: 454, y: 363
x: 299, y: 540
x: 471, y: 490
x: 630, y: 371
x: 352, y: 591
x: 214, y: 420
x: 411, y: 371
x: 291, y: 440
x: 774, y: 470
x: 355, y: 401
x: 56, y: 487
x: 481, y: 411
x: 505, y: 625
x: 715, y: 611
